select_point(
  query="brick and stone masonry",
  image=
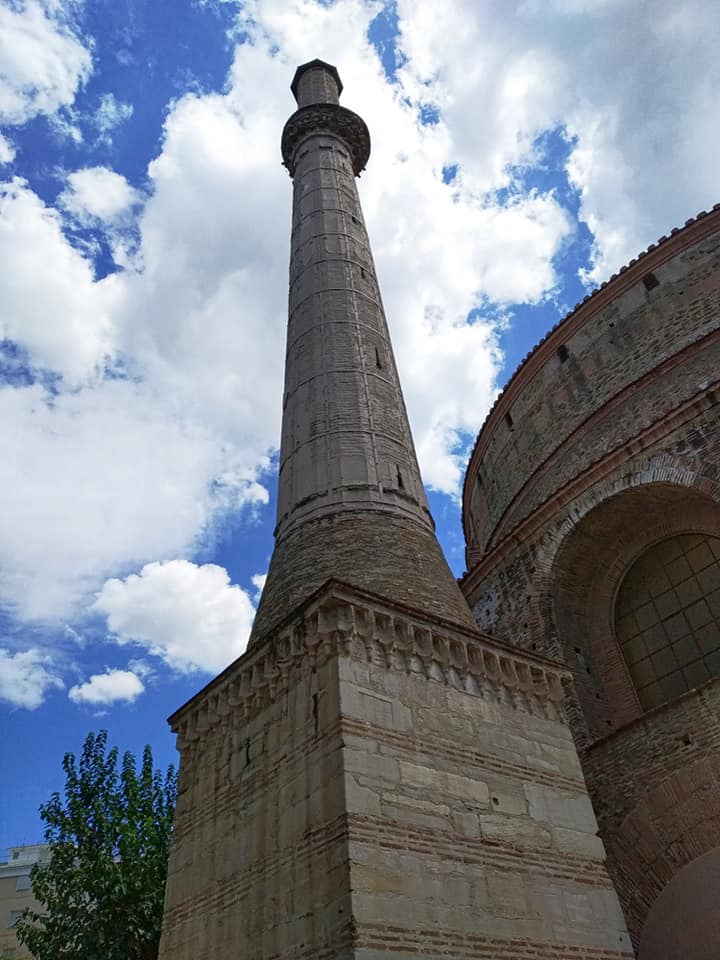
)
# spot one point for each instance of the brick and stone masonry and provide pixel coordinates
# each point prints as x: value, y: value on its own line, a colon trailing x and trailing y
x: 374, y: 777
x: 604, y: 445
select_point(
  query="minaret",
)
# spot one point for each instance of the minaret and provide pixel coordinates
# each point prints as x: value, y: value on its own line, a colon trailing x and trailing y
x: 373, y: 778
x: 351, y: 503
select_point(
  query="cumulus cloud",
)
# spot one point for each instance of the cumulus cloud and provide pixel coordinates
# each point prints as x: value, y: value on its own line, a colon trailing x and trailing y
x: 7, y: 150
x: 188, y: 615
x: 26, y: 677
x: 52, y: 306
x: 629, y: 84
x: 42, y: 60
x: 97, y: 193
x: 111, y: 474
x: 113, y: 686
x: 100, y: 479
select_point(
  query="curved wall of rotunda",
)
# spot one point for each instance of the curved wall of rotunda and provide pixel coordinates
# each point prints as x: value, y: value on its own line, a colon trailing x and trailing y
x: 591, y: 512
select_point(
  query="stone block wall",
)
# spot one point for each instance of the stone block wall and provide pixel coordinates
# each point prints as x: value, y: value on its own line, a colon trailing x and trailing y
x: 370, y: 783
x: 470, y: 831
x: 259, y: 859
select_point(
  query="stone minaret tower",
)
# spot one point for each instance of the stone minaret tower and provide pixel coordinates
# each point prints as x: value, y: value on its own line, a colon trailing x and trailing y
x: 373, y: 778
x: 351, y: 504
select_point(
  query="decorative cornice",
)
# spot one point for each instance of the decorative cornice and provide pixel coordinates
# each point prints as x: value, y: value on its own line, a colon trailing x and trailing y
x: 680, y: 238
x: 326, y: 118
x: 342, y: 621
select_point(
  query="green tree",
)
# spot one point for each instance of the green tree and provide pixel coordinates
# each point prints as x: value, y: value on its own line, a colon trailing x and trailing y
x: 102, y: 889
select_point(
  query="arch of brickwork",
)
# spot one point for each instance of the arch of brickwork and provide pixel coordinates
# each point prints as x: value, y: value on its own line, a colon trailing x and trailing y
x: 608, y: 532
x: 672, y: 825
x: 606, y: 441
x: 663, y: 809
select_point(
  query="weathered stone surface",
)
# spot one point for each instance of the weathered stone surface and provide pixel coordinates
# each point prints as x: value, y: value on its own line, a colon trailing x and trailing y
x: 373, y: 777
x: 351, y: 502
x: 269, y: 837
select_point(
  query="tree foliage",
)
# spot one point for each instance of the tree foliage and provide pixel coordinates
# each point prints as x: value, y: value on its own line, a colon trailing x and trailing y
x: 102, y: 889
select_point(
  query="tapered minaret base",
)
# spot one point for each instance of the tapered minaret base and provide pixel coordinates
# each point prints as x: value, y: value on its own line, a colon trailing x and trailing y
x: 372, y: 783
x: 345, y: 547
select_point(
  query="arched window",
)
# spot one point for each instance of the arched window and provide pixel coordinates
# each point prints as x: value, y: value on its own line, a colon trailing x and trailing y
x: 667, y: 617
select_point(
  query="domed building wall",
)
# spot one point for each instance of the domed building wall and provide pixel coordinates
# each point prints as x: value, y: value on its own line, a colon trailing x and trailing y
x: 591, y: 512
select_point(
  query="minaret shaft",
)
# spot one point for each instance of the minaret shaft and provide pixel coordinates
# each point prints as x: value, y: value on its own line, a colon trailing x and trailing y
x: 346, y: 442
x: 351, y: 503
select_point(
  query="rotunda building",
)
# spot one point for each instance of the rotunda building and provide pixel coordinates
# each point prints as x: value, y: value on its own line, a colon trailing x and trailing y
x: 591, y: 512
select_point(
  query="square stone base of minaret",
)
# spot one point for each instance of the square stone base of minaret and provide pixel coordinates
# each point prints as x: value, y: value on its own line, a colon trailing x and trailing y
x: 367, y: 784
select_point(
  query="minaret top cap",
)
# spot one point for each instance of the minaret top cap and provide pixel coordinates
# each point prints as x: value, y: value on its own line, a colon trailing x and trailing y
x: 313, y: 65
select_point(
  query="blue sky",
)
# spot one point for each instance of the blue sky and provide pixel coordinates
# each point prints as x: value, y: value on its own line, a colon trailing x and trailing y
x: 522, y: 152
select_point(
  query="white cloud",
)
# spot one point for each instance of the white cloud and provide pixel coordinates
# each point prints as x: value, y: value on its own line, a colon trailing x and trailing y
x: 98, y: 480
x: 131, y: 471
x: 258, y: 581
x: 110, y: 114
x: 51, y: 304
x: 113, y: 686
x: 98, y: 193
x: 631, y: 84
x: 7, y: 150
x: 188, y: 615
x: 42, y: 61
x: 26, y: 677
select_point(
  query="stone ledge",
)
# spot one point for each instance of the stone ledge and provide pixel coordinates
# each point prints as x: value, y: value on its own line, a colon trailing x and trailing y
x: 650, y: 716
x: 339, y: 620
x: 329, y: 119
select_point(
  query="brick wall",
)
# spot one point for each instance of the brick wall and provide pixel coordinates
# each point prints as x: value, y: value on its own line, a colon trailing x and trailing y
x: 578, y: 408
x: 611, y: 449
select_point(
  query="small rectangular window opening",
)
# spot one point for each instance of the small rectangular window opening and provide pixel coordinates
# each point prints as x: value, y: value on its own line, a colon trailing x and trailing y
x: 562, y: 353
x: 650, y: 281
x: 355, y: 220
x: 378, y: 363
x: 509, y: 420
x: 362, y: 273
x: 316, y: 713
x: 325, y: 146
x: 401, y: 482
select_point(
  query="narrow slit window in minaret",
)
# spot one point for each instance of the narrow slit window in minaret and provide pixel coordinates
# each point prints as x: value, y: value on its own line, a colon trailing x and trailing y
x: 316, y: 715
x: 401, y: 483
x: 378, y: 362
